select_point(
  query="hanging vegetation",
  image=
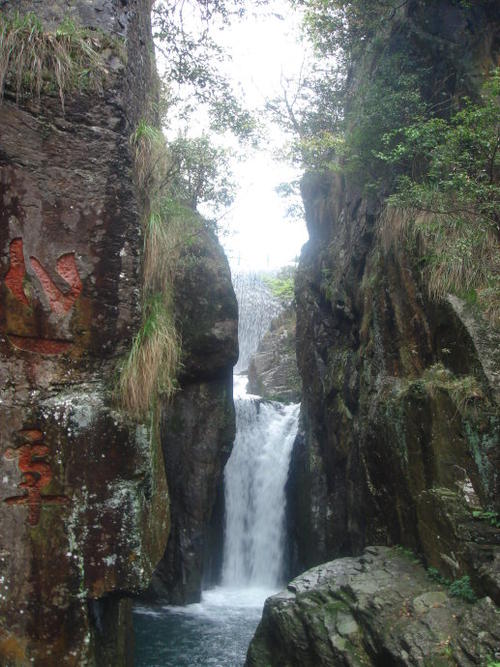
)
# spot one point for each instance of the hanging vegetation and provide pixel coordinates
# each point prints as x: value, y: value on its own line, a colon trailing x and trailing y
x: 34, y: 59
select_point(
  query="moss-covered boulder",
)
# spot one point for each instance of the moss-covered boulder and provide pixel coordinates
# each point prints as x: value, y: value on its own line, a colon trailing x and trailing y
x: 382, y: 608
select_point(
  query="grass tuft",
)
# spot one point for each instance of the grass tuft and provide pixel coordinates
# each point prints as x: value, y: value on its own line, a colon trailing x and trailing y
x: 465, y: 391
x: 151, y: 367
x: 150, y: 157
x: 461, y: 588
x: 459, y: 255
x: 167, y: 230
x: 34, y: 59
x: 152, y: 364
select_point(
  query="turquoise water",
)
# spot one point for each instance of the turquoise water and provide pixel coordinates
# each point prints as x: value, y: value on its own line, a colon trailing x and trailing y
x: 214, y: 633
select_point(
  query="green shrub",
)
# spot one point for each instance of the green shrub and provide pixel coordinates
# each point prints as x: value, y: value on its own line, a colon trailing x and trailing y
x: 490, y: 516
x: 461, y: 588
x: 282, y: 288
x: 434, y: 574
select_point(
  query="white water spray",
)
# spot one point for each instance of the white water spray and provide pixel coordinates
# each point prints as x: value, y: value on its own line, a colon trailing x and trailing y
x: 257, y: 308
x: 256, y: 473
x: 255, y: 478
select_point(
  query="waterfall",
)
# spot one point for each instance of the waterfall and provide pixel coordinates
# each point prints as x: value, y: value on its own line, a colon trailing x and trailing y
x: 257, y: 308
x: 217, y: 630
x: 255, y: 478
x: 257, y: 470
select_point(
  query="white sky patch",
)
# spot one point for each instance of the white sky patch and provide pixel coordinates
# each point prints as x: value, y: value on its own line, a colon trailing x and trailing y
x: 263, y: 49
x: 256, y: 234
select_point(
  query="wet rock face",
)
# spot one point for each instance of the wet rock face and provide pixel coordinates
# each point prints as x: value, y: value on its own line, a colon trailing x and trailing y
x: 400, y: 420
x: 83, y: 501
x: 199, y: 423
x: 395, y: 400
x: 272, y: 371
x: 379, y: 609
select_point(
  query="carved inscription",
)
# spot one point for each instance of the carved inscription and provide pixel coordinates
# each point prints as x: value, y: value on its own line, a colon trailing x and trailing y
x: 60, y: 302
x: 36, y: 475
x: 17, y: 271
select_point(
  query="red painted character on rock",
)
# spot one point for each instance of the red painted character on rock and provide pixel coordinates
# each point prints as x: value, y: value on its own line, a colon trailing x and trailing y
x: 37, y: 474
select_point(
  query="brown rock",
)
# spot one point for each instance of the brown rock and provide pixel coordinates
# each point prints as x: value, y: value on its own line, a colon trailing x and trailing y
x: 199, y: 423
x: 400, y: 421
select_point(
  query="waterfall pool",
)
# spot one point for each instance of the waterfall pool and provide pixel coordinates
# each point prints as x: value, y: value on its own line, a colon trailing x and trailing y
x: 213, y: 633
x: 217, y: 631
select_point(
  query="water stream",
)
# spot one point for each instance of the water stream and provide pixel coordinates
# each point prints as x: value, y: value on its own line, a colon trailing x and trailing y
x: 254, y: 489
x: 216, y: 632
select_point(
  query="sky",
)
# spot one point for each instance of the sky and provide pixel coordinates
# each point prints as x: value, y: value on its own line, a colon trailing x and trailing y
x: 255, y: 232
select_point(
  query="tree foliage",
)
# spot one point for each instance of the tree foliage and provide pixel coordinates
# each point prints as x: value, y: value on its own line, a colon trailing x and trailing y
x: 200, y: 172
x: 192, y: 61
x: 282, y: 285
x: 382, y: 103
x: 448, y: 186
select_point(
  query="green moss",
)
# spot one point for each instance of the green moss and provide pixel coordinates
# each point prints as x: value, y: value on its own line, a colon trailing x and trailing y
x: 394, y: 416
x: 404, y: 552
x: 482, y: 437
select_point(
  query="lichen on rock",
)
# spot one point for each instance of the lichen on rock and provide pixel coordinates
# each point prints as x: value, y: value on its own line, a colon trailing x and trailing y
x: 379, y: 608
x: 83, y: 504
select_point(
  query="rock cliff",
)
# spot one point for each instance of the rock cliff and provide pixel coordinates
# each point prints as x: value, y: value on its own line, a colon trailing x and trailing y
x: 199, y: 423
x: 83, y: 502
x: 400, y: 422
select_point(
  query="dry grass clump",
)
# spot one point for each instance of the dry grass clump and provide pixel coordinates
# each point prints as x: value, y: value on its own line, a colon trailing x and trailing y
x: 151, y: 366
x: 167, y: 230
x: 151, y: 159
x: 465, y: 391
x: 33, y: 58
x: 459, y: 254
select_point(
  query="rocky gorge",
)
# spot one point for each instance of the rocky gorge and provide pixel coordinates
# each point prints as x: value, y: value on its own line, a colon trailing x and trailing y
x: 108, y: 497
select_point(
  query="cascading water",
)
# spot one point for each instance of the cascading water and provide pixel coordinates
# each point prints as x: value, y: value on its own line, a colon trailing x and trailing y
x: 257, y: 308
x: 217, y: 631
x: 254, y: 480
